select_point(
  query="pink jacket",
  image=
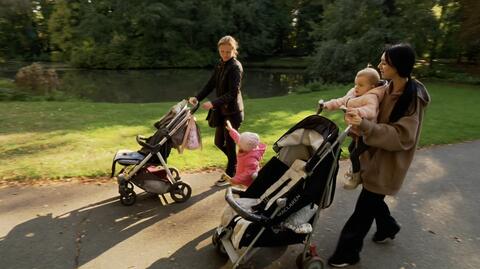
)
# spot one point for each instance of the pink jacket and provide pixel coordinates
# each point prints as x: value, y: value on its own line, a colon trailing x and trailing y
x: 248, y: 163
x: 366, y: 104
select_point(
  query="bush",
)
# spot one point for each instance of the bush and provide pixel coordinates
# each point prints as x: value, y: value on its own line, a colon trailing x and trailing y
x: 187, y: 57
x: 13, y: 95
x: 445, y: 72
x: 37, y: 79
x: 318, y: 86
x: 336, y: 61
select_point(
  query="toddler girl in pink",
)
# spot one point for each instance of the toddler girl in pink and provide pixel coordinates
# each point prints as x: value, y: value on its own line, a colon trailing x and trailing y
x: 249, y: 155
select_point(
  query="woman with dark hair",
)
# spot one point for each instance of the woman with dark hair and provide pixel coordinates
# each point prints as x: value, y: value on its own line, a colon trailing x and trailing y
x: 392, y: 142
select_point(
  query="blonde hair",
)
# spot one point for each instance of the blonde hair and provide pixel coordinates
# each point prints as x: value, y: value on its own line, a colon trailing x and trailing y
x: 229, y: 40
x: 370, y: 73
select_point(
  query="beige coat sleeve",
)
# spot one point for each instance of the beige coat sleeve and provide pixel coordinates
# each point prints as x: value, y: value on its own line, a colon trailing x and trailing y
x: 397, y: 136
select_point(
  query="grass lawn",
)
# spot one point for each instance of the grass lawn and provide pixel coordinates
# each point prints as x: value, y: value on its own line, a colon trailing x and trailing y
x: 69, y: 139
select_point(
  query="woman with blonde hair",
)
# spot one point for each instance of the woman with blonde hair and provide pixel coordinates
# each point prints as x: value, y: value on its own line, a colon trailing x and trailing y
x: 227, y: 104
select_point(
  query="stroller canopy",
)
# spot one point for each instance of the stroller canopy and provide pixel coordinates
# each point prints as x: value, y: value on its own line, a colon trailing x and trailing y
x: 305, y: 138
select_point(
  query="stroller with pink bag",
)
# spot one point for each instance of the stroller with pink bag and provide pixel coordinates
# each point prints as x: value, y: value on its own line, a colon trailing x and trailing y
x: 147, y: 168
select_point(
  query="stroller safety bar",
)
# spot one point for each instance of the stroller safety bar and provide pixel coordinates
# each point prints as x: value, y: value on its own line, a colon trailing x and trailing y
x: 143, y: 143
x: 281, y: 202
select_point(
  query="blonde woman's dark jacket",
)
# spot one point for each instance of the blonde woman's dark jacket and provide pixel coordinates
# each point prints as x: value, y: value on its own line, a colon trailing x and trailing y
x: 392, y: 144
x: 226, y: 80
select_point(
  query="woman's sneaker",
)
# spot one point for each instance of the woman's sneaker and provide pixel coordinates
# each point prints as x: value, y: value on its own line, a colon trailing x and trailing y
x: 223, y: 181
x: 352, y: 180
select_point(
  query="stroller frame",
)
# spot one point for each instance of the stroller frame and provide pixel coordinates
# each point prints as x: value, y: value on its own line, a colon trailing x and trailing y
x: 177, y: 187
x: 308, y: 258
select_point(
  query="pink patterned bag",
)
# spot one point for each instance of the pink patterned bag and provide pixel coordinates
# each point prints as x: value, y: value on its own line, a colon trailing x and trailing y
x: 192, y: 139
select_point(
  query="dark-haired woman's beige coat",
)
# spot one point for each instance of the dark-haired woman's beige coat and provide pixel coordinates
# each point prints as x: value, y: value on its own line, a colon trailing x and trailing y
x: 392, y: 144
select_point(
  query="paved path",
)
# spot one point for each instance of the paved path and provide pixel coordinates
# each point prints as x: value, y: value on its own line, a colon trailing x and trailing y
x: 75, y: 225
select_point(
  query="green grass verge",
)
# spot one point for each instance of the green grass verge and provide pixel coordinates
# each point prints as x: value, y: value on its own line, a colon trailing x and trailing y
x: 68, y: 139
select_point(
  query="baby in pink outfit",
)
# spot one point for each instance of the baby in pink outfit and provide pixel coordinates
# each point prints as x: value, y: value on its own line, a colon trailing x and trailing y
x: 365, y: 98
x: 249, y: 155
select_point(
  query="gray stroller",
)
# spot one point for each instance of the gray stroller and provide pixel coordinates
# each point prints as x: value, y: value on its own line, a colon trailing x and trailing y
x: 147, y: 168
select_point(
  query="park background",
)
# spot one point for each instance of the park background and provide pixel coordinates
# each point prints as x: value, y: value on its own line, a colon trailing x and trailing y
x: 107, y: 70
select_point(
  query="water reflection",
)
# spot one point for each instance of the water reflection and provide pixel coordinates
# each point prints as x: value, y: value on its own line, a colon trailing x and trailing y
x: 135, y: 86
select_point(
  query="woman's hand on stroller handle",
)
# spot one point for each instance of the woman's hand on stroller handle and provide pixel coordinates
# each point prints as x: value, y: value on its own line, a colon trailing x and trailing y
x: 352, y: 117
x: 193, y: 101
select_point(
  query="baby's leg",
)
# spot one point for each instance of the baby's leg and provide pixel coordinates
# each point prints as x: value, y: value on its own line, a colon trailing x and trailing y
x: 244, y: 179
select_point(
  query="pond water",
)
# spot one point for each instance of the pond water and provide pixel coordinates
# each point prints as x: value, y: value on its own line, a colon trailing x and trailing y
x: 159, y: 85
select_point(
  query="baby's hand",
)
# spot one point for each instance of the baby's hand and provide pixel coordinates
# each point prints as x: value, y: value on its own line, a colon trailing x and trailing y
x: 229, y: 125
x: 321, y: 106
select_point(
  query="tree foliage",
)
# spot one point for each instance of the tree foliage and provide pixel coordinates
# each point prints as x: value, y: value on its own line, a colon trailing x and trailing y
x: 341, y: 36
x: 155, y: 33
x: 470, y: 28
x: 347, y: 41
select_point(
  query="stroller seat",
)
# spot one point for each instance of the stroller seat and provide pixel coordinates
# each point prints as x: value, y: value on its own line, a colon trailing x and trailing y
x: 128, y: 157
x: 284, y: 184
x: 289, y: 178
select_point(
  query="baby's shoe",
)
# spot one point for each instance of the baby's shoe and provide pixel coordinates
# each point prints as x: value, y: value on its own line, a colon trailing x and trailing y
x: 223, y: 181
x: 352, y: 180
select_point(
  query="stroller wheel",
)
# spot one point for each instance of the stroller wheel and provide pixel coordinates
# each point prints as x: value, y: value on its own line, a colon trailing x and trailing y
x: 313, y: 263
x: 310, y: 262
x: 180, y: 192
x: 175, y: 173
x: 129, y: 185
x: 218, y: 245
x: 128, y: 197
x: 299, y: 261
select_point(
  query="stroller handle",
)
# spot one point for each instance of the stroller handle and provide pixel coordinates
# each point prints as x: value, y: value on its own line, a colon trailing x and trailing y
x: 194, y: 108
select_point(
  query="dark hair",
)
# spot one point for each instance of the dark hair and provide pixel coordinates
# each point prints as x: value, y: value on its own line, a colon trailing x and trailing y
x: 402, y: 57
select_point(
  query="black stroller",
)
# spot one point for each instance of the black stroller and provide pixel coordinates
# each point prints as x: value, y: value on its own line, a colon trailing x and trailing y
x: 147, y: 168
x: 288, y: 193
